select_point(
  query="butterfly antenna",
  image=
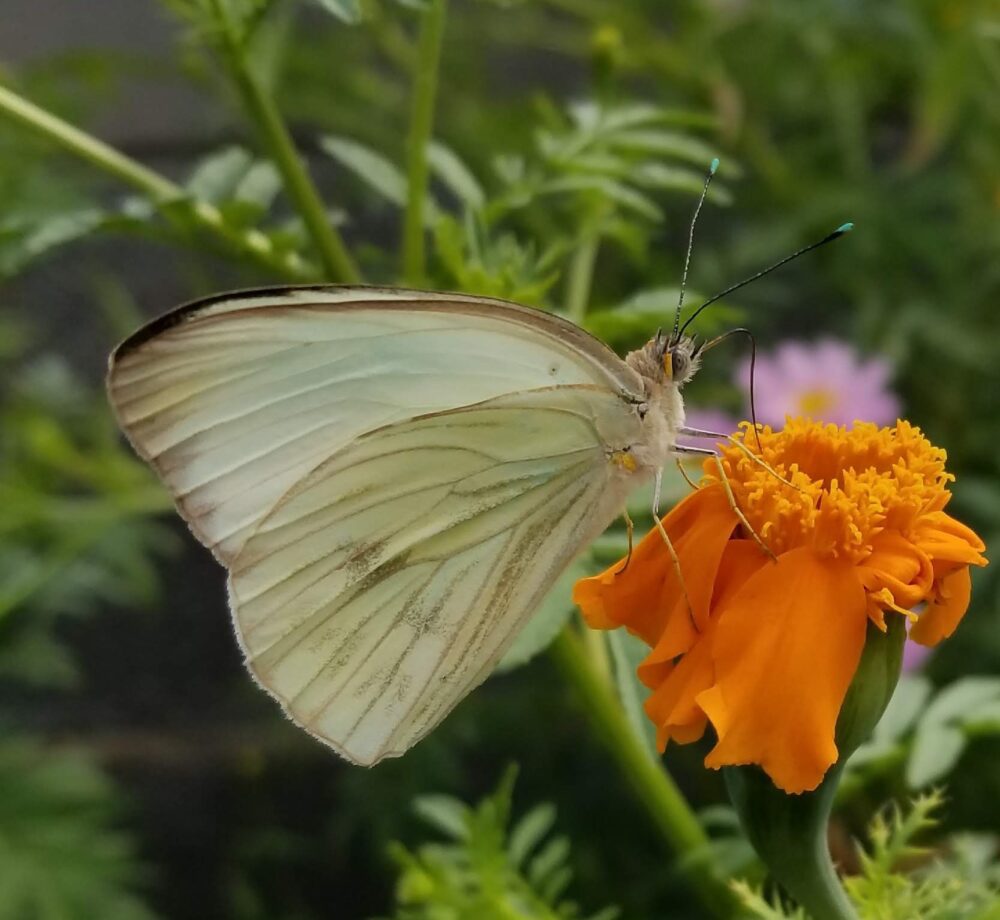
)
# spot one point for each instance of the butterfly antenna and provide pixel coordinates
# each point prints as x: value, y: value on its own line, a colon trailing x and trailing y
x: 829, y: 238
x: 711, y: 343
x: 687, y: 258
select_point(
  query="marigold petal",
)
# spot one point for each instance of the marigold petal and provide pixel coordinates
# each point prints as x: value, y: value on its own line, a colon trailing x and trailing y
x: 672, y: 707
x: 900, y: 567
x: 740, y: 559
x: 786, y: 648
x: 645, y: 595
x: 944, y: 539
x: 943, y: 615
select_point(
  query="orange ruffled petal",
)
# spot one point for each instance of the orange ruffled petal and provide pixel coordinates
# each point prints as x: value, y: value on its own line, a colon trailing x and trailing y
x: 672, y: 707
x: 786, y: 649
x: 943, y: 614
x: 944, y: 539
x: 645, y: 595
x: 897, y: 575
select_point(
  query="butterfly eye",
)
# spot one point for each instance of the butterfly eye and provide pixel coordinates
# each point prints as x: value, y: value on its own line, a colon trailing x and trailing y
x: 678, y: 365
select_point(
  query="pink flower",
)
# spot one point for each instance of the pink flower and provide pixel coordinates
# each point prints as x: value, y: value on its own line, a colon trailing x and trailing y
x: 827, y: 381
x: 914, y: 656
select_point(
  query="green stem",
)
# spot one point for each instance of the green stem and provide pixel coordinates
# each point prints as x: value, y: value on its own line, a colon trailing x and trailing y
x: 334, y: 257
x: 580, y: 278
x: 597, y: 650
x: 653, y: 785
x: 421, y: 129
x: 789, y: 833
x: 251, y: 244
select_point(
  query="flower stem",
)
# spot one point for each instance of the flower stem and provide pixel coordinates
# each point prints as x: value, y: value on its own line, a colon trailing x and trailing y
x: 421, y: 128
x: 581, y: 275
x: 250, y: 244
x: 789, y: 833
x: 334, y: 257
x: 654, y: 786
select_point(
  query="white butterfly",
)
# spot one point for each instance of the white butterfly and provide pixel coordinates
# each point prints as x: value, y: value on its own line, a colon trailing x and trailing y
x: 394, y: 479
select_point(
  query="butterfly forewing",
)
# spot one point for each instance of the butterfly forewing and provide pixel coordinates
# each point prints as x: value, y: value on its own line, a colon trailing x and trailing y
x: 393, y: 478
x: 233, y: 402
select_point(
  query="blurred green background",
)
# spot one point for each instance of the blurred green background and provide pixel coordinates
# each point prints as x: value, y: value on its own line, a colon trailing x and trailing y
x: 141, y: 773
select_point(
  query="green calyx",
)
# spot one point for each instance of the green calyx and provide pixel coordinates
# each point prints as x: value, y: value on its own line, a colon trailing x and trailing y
x: 789, y: 831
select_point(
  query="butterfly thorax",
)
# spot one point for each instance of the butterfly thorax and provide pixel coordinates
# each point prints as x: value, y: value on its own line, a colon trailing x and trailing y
x: 664, y: 366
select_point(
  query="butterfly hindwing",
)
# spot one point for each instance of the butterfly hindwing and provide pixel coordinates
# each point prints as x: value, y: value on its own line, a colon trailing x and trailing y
x: 388, y: 583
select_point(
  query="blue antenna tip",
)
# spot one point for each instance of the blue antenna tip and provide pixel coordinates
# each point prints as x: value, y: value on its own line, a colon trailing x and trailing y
x: 845, y: 228
x: 713, y: 167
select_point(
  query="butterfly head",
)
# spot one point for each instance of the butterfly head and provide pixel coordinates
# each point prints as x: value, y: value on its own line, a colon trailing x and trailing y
x: 666, y: 360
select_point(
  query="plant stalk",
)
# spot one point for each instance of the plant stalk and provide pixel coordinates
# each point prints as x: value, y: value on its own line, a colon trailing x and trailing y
x: 250, y: 244
x: 652, y: 784
x: 335, y: 259
x: 421, y: 131
x: 789, y: 833
x: 580, y: 278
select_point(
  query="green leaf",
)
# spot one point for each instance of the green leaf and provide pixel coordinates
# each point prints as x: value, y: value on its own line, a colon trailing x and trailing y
x: 940, y: 740
x: 529, y: 832
x: 955, y: 700
x: 382, y: 175
x: 907, y: 703
x: 259, y: 185
x: 550, y: 860
x: 592, y: 117
x: 670, y: 143
x: 545, y: 625
x: 626, y: 653
x: 378, y: 172
x: 216, y: 177
x: 348, y: 11
x: 26, y: 242
x: 675, y: 178
x: 616, y: 192
x: 936, y: 749
x: 450, y: 169
x: 447, y: 814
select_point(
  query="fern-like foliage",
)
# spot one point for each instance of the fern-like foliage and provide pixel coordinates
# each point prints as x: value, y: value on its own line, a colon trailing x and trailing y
x: 61, y: 856
x: 488, y: 869
x: 901, y: 879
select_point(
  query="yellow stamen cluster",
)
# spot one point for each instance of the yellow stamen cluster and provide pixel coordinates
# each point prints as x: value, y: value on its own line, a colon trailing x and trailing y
x: 850, y: 485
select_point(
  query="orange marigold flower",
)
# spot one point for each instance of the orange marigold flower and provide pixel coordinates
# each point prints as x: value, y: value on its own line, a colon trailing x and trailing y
x: 765, y: 650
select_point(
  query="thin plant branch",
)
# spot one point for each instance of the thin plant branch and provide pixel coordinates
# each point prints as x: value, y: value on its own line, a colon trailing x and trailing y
x: 334, y: 257
x: 652, y: 784
x: 250, y: 244
x: 421, y: 130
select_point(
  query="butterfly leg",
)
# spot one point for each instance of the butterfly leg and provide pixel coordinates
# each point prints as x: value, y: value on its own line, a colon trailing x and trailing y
x: 657, y: 483
x: 630, y: 527
x: 724, y: 479
x: 683, y: 472
x: 677, y: 563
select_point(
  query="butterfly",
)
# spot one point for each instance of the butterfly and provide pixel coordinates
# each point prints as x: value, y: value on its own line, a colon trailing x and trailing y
x: 394, y: 479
